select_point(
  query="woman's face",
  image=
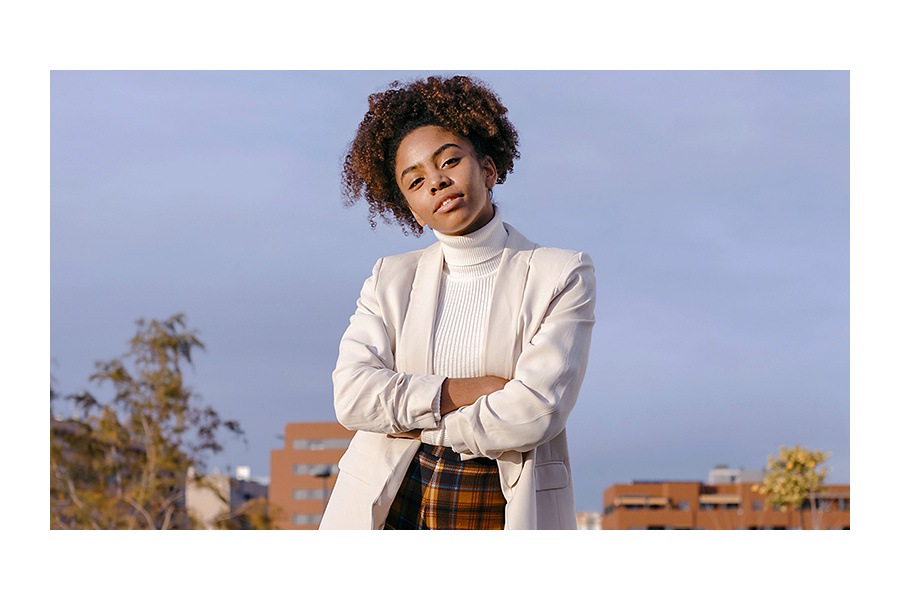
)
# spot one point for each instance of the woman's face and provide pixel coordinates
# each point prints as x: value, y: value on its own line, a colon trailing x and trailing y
x: 444, y: 182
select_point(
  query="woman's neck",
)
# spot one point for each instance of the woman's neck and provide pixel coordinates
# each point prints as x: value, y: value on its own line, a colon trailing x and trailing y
x: 477, y: 247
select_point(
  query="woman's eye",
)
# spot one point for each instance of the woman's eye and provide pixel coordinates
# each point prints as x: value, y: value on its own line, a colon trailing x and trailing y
x: 415, y: 182
x: 451, y: 161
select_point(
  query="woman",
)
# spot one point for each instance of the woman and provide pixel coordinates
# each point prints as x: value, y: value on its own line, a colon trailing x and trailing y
x: 462, y: 361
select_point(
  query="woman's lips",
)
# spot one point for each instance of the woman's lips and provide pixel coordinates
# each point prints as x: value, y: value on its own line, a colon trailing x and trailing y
x: 449, y: 203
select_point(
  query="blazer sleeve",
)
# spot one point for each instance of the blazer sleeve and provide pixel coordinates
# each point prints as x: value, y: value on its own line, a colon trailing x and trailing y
x: 369, y: 395
x: 533, y: 406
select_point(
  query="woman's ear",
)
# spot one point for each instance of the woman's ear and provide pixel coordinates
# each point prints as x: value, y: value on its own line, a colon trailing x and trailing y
x: 490, y: 171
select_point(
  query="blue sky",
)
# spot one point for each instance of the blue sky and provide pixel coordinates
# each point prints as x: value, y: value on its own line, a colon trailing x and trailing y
x: 715, y: 204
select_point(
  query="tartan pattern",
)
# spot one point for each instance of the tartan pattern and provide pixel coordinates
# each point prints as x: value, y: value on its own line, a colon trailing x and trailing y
x: 441, y: 491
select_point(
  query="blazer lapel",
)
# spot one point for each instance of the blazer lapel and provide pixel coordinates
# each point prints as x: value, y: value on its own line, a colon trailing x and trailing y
x: 415, y: 346
x: 503, y: 341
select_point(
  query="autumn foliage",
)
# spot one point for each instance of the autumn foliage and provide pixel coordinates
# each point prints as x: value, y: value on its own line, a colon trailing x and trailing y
x: 793, y: 478
x: 122, y: 463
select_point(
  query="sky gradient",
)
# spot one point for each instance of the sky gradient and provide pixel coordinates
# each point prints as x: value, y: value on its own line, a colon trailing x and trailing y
x: 715, y: 205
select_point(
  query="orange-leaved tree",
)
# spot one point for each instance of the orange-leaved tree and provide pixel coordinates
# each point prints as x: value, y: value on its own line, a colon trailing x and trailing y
x: 794, y: 477
x: 122, y: 463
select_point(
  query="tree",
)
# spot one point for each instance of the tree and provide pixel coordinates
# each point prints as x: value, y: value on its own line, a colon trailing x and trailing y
x: 793, y: 478
x: 253, y: 514
x: 122, y: 464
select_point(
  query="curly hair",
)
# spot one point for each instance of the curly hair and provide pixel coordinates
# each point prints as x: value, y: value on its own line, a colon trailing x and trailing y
x: 463, y: 105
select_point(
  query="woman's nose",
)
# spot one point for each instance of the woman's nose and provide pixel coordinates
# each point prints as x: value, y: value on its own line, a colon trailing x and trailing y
x: 438, y: 182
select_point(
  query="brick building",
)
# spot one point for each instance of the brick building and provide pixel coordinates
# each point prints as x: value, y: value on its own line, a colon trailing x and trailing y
x: 726, y: 501
x: 302, y: 473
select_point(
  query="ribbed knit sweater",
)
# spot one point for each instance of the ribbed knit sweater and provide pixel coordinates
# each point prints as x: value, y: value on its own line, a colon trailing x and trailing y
x: 467, y: 282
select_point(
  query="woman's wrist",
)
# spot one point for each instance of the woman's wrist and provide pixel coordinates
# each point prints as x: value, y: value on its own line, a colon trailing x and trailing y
x: 457, y: 392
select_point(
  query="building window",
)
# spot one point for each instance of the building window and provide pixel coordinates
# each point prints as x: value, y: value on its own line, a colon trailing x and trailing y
x: 732, y: 506
x: 318, y: 470
x: 315, y: 494
x: 684, y: 505
x: 708, y: 506
x: 306, y: 519
x: 327, y: 444
x: 757, y: 505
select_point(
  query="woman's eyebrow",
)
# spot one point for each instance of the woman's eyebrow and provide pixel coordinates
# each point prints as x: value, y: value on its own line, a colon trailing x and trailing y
x: 433, y: 156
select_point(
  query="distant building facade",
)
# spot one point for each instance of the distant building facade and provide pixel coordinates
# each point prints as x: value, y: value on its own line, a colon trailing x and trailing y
x: 725, y: 501
x: 303, y: 472
x: 219, y: 495
x: 589, y: 520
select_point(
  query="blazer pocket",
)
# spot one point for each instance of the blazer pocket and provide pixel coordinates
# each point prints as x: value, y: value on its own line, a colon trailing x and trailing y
x: 551, y: 475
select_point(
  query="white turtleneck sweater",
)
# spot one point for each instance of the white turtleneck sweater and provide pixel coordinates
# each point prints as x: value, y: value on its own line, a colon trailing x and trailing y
x: 467, y: 283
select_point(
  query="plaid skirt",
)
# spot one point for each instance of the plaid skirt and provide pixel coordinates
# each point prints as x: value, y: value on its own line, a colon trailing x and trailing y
x: 441, y: 491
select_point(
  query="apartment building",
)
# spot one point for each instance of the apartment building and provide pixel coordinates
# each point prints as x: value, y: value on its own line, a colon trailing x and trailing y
x: 725, y: 501
x: 303, y: 472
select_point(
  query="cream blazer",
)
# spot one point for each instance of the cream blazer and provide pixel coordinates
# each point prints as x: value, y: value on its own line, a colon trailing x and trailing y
x: 538, y: 337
